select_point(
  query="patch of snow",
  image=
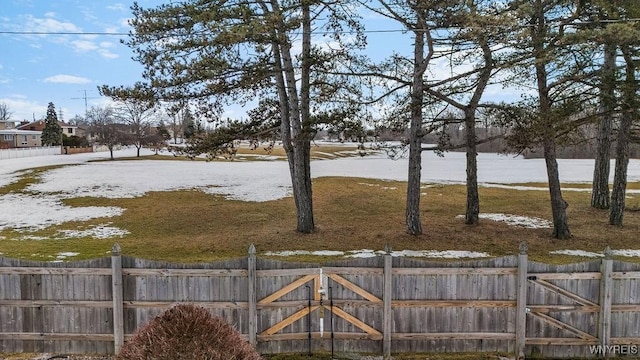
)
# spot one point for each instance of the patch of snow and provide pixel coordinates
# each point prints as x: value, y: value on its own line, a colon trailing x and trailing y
x: 327, y: 253
x: 102, y: 231
x: 367, y: 253
x: 583, y: 253
x: 246, y: 192
x: 38, y: 212
x: 247, y: 181
x: 10, y: 169
x: 304, y: 252
x: 61, y: 256
x: 364, y: 253
x: 516, y: 220
x: 580, y: 253
x: 626, y: 252
x: 67, y: 254
x: 378, y: 185
x: 446, y: 254
x: 33, y: 237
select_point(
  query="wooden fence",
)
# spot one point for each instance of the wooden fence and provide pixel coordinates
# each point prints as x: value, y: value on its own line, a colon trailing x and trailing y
x: 377, y: 305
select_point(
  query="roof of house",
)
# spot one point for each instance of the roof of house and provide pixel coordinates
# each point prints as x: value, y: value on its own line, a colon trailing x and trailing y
x: 41, y: 123
x: 19, y: 132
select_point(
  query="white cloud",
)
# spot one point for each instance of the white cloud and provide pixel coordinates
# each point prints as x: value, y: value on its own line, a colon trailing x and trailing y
x: 50, y: 14
x: 49, y: 25
x: 117, y: 7
x: 111, y: 29
x: 125, y: 22
x: 105, y: 44
x: 22, y: 108
x: 3, y: 79
x: 84, y: 46
x: 108, y: 54
x: 67, y: 79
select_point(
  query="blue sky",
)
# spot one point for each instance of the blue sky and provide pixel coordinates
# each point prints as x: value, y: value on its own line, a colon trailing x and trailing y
x: 58, y: 68
x: 38, y: 69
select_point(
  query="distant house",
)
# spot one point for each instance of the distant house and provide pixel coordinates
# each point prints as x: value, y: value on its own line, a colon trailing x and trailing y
x: 12, y: 137
x: 7, y: 125
x: 87, y: 132
x: 67, y: 129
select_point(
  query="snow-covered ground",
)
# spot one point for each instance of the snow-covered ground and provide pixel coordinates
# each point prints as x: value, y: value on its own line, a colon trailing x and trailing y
x: 41, y: 206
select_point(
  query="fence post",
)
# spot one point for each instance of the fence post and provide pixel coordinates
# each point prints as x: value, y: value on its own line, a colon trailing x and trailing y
x: 604, y: 320
x: 253, y: 313
x: 118, y: 306
x: 521, y: 303
x: 387, y: 312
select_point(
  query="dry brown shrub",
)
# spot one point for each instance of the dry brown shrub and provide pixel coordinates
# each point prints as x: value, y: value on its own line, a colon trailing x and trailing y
x: 187, y: 332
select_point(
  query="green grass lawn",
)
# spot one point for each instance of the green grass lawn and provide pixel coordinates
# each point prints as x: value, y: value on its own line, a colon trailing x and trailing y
x: 350, y: 214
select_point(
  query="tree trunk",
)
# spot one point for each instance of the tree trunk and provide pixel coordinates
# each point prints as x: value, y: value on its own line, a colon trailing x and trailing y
x: 472, y: 214
x: 620, y: 176
x: 296, y: 141
x: 558, y: 204
x: 473, y: 199
x: 302, y: 187
x: 622, y: 147
x: 302, y: 134
x: 413, y: 222
x: 600, y: 189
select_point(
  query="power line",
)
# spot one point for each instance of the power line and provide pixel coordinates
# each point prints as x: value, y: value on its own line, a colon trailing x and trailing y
x: 60, y: 33
x: 126, y: 34
x: 81, y: 33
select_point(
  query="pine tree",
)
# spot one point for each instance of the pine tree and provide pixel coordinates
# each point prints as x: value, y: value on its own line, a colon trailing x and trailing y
x: 238, y: 51
x: 188, y: 124
x: 52, y: 132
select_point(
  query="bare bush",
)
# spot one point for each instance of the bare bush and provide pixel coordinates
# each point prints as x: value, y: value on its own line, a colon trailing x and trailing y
x: 187, y: 332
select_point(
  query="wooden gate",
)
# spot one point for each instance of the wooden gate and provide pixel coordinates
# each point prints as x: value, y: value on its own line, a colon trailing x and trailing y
x: 323, y: 304
x: 562, y: 311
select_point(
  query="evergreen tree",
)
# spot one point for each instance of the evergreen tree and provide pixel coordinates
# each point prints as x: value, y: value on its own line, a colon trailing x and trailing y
x: 188, y: 124
x: 237, y: 51
x: 52, y: 132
